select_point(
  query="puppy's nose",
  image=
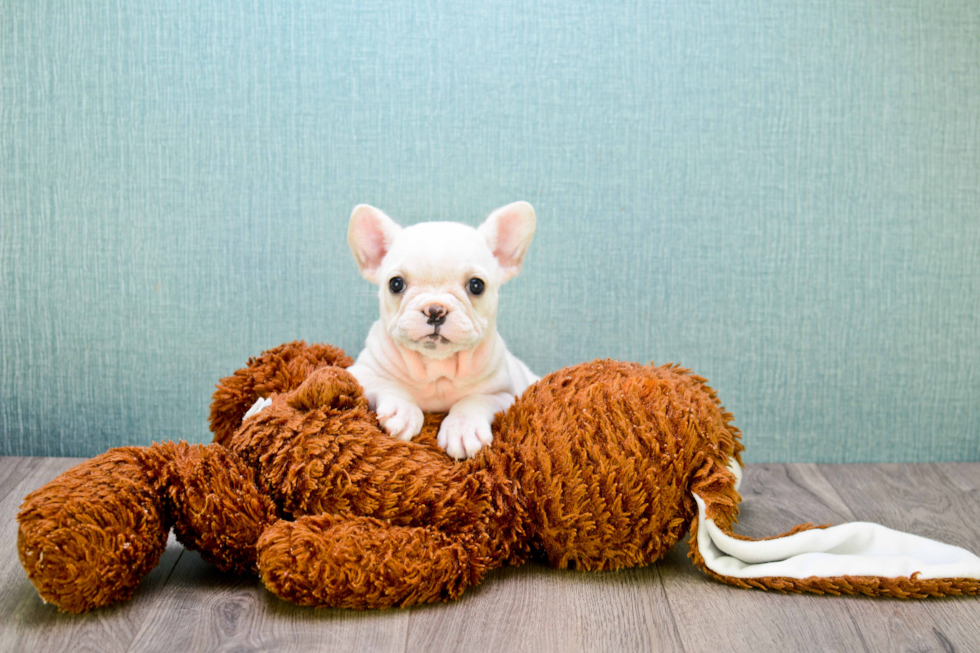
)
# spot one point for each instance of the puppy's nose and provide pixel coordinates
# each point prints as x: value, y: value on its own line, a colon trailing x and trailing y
x: 436, y: 314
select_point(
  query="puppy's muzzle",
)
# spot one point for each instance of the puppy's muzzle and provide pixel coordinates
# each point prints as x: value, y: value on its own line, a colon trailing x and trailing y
x: 436, y: 314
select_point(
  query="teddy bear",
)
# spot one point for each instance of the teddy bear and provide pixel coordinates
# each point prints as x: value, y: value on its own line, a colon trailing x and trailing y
x: 598, y: 466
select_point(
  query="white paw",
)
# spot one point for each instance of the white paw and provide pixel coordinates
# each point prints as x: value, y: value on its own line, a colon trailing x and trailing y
x: 402, y: 419
x: 461, y: 436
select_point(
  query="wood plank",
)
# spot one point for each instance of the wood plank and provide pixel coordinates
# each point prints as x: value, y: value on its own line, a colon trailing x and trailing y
x: 713, y: 616
x: 933, y: 500
x: 13, y: 469
x: 28, y: 624
x: 966, y: 476
x: 536, y: 608
x: 202, y: 609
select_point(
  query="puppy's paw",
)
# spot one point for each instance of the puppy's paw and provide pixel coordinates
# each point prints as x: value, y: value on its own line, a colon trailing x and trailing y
x: 402, y: 419
x: 461, y: 436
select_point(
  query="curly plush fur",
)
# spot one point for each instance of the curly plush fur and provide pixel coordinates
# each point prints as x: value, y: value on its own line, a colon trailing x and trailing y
x: 592, y: 468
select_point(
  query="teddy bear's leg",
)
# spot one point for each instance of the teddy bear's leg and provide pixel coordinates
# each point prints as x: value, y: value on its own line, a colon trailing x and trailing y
x: 330, y: 561
x: 88, y: 537
x: 212, y: 501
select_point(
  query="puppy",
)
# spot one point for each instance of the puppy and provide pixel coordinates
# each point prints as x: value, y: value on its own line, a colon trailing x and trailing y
x: 436, y: 347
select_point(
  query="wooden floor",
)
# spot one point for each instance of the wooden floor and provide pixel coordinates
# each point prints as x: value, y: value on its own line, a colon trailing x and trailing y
x: 185, y: 605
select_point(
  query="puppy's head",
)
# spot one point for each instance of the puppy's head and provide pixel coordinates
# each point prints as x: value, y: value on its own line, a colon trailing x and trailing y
x: 439, y: 281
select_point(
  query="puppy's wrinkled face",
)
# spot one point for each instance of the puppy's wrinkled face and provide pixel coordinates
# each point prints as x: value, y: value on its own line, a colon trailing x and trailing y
x: 439, y: 281
x: 438, y: 288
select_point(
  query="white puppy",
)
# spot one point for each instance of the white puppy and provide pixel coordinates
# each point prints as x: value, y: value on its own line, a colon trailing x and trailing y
x: 436, y: 346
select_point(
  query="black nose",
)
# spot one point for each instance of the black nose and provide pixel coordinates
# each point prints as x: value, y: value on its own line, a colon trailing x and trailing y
x: 435, y: 313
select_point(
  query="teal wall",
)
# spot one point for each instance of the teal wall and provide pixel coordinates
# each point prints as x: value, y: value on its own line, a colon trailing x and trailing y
x: 782, y: 195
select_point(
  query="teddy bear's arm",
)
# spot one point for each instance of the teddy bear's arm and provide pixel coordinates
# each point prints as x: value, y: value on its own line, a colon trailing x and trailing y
x: 87, y: 538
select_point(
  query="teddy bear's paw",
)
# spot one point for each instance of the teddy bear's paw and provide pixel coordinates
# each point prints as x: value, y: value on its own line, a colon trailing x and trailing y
x: 361, y: 562
x: 401, y: 419
x: 462, y: 436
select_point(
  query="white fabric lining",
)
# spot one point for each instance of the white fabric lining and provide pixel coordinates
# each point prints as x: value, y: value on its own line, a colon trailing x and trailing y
x: 260, y: 404
x: 852, y: 549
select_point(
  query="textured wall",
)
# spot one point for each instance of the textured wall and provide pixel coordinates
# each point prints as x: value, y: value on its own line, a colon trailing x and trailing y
x: 783, y: 195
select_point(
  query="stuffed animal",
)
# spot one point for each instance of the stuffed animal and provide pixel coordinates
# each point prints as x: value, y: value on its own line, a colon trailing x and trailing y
x: 598, y: 466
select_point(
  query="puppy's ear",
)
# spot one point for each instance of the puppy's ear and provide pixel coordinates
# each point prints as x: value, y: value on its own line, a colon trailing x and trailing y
x: 370, y: 235
x: 509, y: 231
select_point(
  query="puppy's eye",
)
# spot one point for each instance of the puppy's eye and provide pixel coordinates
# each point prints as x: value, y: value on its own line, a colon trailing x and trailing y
x: 475, y: 286
x: 396, y: 285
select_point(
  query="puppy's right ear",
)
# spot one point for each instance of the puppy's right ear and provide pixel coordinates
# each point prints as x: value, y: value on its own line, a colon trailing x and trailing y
x: 370, y: 236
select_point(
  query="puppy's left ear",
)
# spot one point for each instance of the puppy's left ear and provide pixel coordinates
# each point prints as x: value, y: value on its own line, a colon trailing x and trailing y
x: 508, y: 232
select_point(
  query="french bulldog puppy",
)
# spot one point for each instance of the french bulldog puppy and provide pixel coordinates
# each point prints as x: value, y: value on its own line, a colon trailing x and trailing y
x: 435, y: 347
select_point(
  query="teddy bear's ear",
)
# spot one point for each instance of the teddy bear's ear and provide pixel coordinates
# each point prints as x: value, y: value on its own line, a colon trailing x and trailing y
x: 370, y: 235
x: 326, y: 386
x: 508, y: 232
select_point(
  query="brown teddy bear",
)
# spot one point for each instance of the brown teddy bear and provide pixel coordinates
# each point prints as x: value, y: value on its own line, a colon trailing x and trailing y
x: 595, y: 467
